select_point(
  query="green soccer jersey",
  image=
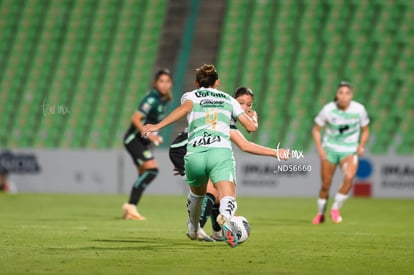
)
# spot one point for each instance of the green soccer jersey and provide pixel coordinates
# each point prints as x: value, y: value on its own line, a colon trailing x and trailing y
x: 209, y: 120
x: 153, y: 108
x: 342, y: 127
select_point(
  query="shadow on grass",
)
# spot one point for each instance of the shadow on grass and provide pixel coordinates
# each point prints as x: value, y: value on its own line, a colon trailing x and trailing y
x: 149, y: 244
x: 284, y: 222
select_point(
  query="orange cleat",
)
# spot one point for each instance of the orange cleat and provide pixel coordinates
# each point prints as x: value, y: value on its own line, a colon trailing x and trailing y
x: 131, y: 213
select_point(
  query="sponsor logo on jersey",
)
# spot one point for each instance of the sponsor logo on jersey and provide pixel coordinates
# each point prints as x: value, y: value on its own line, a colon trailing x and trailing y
x: 211, y: 103
x: 208, y: 93
x: 207, y: 139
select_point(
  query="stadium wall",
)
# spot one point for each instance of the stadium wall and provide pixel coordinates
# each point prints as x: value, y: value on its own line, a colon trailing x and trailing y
x: 92, y: 171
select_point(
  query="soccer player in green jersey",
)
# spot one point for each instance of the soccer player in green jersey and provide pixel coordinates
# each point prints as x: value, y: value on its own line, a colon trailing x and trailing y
x: 150, y: 110
x: 209, y: 153
x: 346, y: 132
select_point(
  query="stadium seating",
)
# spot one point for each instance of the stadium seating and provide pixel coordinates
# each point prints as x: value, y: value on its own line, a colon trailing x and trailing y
x: 88, y: 58
x: 293, y: 54
x: 94, y: 58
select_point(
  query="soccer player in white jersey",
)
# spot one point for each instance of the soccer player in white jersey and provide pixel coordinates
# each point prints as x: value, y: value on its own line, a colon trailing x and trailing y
x: 209, y: 152
x: 211, y: 204
x: 346, y: 132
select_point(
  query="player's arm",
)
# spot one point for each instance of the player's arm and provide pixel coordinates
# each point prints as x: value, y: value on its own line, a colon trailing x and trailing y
x: 364, y: 132
x: 253, y: 116
x: 316, y: 133
x: 239, y: 114
x: 247, y: 122
x: 175, y: 115
x: 247, y: 146
x: 136, y: 119
x: 363, y: 140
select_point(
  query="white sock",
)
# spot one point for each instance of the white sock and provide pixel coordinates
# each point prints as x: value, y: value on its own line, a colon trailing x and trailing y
x: 194, y: 205
x: 228, y: 206
x: 321, y: 205
x: 339, y: 200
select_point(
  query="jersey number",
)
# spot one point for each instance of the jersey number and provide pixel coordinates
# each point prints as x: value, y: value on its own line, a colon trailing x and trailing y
x: 212, y: 121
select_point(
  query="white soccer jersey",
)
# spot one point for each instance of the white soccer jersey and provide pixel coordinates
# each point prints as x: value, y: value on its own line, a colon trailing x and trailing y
x: 209, y: 120
x: 342, y: 127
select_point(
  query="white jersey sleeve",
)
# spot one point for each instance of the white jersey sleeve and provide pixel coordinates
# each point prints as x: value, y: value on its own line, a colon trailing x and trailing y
x: 186, y: 96
x: 237, y: 109
x: 364, y: 117
x: 321, y: 118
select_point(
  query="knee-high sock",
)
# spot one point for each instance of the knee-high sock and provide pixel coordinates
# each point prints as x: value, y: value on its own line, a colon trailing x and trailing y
x: 208, y: 203
x: 194, y: 204
x: 339, y: 200
x: 228, y: 206
x: 321, y: 203
x: 141, y: 184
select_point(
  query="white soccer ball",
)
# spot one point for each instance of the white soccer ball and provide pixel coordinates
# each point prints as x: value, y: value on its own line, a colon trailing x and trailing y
x: 243, y: 228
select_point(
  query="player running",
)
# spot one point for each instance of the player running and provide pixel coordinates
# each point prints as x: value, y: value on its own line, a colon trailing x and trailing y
x: 245, y: 97
x: 343, y: 119
x: 209, y: 153
x: 150, y: 110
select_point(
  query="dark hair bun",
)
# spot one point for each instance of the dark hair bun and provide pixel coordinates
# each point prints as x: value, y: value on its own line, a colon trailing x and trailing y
x: 206, y: 75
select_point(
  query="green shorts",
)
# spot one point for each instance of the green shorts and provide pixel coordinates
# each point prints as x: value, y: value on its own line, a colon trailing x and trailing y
x: 217, y: 164
x: 336, y: 157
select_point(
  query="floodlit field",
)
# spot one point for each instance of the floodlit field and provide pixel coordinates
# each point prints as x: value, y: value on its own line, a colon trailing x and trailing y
x: 83, y: 234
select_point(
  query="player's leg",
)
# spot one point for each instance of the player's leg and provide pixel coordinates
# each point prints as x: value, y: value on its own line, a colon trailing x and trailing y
x: 228, y: 206
x: 177, y: 151
x: 227, y: 194
x: 211, y: 208
x: 147, y: 171
x: 349, y: 166
x: 217, y: 233
x: 208, y: 203
x: 194, y: 207
x: 223, y: 175
x: 197, y: 179
x: 328, y: 167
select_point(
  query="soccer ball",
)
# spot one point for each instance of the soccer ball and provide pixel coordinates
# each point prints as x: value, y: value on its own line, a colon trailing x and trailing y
x: 243, y: 228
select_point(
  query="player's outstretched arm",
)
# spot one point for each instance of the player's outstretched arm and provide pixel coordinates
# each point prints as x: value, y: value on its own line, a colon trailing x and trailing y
x: 175, y: 115
x: 247, y: 146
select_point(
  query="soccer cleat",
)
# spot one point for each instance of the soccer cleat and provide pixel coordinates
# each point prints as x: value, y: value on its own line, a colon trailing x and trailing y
x: 218, y: 236
x: 319, y: 218
x: 229, y: 231
x: 200, y: 235
x: 336, y: 216
x: 131, y: 213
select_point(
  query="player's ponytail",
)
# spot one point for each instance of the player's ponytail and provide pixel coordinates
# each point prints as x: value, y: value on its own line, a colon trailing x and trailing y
x: 206, y: 76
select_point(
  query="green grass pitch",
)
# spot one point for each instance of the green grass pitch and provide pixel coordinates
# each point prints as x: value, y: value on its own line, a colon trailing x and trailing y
x: 83, y: 234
